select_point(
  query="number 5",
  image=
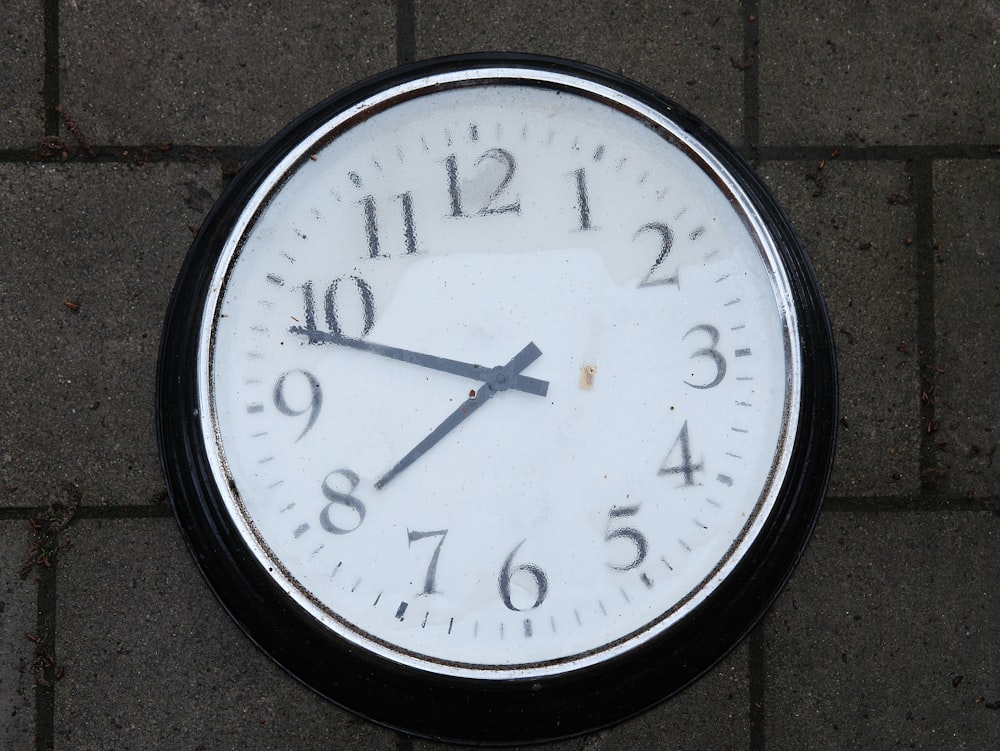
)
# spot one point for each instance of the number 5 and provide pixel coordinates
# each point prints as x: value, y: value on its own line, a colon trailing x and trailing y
x: 637, y: 538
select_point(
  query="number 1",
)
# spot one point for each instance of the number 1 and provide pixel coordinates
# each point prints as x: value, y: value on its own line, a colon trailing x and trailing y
x: 582, y: 199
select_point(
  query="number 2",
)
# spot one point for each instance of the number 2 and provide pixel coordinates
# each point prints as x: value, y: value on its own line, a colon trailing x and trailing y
x: 666, y: 243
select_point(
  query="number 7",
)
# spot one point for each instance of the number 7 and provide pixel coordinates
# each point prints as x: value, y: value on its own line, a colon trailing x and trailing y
x: 412, y: 537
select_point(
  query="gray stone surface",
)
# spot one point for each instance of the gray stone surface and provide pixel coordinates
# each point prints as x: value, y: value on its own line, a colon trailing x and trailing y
x: 213, y: 72
x: 156, y: 663
x: 858, y: 223
x: 880, y: 73
x: 684, y: 50
x: 18, y: 627
x: 98, y: 248
x: 22, y: 60
x: 886, y: 637
x: 967, y: 307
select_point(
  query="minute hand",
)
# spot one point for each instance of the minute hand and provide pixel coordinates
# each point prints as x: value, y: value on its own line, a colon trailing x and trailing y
x: 455, y: 367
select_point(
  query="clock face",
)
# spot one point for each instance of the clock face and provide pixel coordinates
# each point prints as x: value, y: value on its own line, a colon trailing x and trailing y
x: 492, y: 375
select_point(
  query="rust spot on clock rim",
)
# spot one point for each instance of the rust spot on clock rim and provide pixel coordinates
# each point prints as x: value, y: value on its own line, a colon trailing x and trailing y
x: 587, y: 373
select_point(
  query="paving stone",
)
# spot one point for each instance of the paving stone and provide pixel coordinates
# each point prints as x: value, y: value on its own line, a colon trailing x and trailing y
x: 686, y: 51
x: 22, y: 63
x: 855, y: 219
x: 886, y: 636
x: 967, y: 319
x: 215, y: 72
x: 91, y: 254
x: 879, y: 73
x: 18, y: 618
x: 153, y: 662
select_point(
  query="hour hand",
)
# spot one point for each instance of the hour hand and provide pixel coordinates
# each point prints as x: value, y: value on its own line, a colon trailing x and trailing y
x: 475, y: 372
x: 499, y: 380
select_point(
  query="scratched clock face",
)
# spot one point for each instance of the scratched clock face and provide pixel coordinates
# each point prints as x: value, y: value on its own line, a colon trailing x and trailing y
x: 435, y: 515
x: 497, y: 380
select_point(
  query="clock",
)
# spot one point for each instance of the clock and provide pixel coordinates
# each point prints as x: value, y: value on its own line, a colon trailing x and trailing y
x: 496, y: 398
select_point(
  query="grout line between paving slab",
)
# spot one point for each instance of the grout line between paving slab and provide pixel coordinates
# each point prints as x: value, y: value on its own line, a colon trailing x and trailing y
x: 757, y: 659
x: 406, y: 38
x: 757, y: 669
x: 833, y: 504
x: 922, y: 194
x: 883, y: 152
x: 134, y: 511
x: 50, y: 74
x: 933, y: 503
x: 232, y: 156
x: 751, y: 80
x: 45, y: 624
x: 45, y: 628
x: 903, y: 504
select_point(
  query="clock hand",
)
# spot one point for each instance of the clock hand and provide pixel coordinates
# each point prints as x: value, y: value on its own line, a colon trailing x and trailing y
x: 455, y: 367
x: 500, y: 380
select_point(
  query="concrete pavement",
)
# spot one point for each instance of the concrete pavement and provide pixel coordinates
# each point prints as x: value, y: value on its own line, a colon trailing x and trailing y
x: 876, y: 125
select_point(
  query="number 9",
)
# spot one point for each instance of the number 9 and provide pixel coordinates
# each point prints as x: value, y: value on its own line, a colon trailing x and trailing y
x: 316, y: 399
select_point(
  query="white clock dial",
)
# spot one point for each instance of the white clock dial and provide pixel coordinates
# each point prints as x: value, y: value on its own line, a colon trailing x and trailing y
x: 485, y: 386
x: 549, y: 527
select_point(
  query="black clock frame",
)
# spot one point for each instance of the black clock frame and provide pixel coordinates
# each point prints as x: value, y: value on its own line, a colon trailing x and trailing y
x: 464, y: 709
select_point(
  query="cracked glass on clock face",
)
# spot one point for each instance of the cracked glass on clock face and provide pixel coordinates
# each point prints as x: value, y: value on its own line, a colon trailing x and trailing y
x: 496, y: 376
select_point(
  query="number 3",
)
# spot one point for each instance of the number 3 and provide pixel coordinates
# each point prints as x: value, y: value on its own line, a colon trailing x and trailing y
x: 711, y: 352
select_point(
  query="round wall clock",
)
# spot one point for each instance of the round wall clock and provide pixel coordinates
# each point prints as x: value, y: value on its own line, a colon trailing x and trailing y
x: 496, y: 398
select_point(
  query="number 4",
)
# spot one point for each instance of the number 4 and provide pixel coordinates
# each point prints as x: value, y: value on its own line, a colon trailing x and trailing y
x: 686, y: 467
